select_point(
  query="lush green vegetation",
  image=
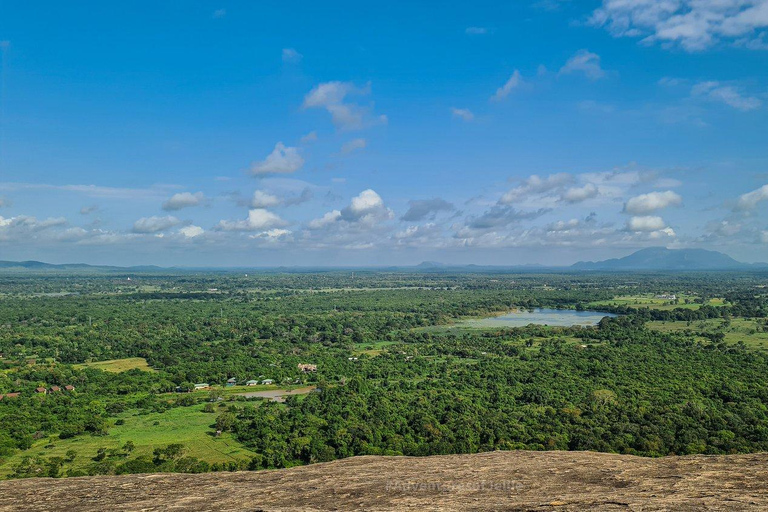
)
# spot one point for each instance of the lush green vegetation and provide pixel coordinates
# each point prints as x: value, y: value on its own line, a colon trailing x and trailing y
x: 667, y: 376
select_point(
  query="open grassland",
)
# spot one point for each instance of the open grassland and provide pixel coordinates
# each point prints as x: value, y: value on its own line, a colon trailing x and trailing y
x: 189, y: 426
x: 753, y: 333
x: 650, y: 301
x: 119, y: 365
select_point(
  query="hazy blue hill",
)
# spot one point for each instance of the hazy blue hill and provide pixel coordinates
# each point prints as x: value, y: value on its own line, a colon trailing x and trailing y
x: 660, y: 258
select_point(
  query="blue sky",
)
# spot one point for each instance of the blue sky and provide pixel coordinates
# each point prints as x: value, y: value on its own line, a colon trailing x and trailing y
x: 299, y: 133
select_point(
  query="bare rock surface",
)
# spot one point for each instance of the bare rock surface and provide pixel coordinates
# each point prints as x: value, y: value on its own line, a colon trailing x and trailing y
x: 496, y: 481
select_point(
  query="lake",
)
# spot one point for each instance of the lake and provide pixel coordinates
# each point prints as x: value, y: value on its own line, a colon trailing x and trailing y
x: 540, y: 316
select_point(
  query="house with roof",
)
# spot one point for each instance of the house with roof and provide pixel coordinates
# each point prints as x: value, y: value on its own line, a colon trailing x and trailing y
x: 231, y: 382
x: 55, y: 389
x: 69, y: 387
x: 41, y: 390
x: 252, y: 383
x: 267, y: 382
x: 202, y: 385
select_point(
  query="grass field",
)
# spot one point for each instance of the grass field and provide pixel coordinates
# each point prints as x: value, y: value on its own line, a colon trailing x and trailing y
x: 119, y: 365
x: 187, y: 425
x: 373, y: 348
x: 745, y: 330
x: 649, y: 301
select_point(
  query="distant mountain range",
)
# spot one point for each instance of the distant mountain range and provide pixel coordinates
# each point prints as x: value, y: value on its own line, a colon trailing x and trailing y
x: 651, y: 259
x: 39, y: 265
x: 660, y: 258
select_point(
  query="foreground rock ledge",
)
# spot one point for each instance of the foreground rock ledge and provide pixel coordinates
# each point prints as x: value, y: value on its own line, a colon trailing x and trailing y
x: 482, y: 482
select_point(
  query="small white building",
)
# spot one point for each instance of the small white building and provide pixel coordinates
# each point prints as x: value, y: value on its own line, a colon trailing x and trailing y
x: 252, y: 383
x: 267, y: 382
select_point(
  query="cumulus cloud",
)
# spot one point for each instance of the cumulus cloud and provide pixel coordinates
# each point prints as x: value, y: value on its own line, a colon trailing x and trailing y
x: 727, y: 94
x: 422, y: 209
x: 535, y: 184
x: 87, y: 210
x: 291, y: 56
x: 585, y: 62
x: 274, y: 235
x: 333, y: 96
x: 262, y: 199
x: 366, y: 206
x: 512, y: 83
x: 647, y: 203
x: 282, y: 160
x: 258, y: 219
x: 694, y: 25
x: 155, y: 224
x: 191, y: 231
x: 30, y: 223
x: 183, y: 200
x: 476, y: 31
x: 352, y: 146
x: 646, y: 223
x: 327, y: 219
x: 463, y: 113
x: 579, y: 194
x: 750, y: 200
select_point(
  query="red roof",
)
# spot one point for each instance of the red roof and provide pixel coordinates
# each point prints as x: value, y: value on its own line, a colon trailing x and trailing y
x: 69, y: 387
x: 11, y: 395
x: 55, y: 388
x: 40, y: 390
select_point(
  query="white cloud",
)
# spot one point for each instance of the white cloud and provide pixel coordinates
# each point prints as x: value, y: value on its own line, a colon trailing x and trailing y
x: 750, y: 200
x: 282, y: 160
x: 258, y: 219
x: 646, y: 223
x: 535, y: 184
x: 155, y: 224
x: 647, y: 203
x: 219, y: 13
x: 476, y: 31
x: 579, y: 194
x: 30, y: 223
x: 693, y: 24
x: 332, y: 95
x: 183, y: 200
x: 191, y: 231
x: 325, y: 220
x: 352, y: 146
x: 262, y: 199
x: 764, y: 237
x: 727, y: 94
x: 462, y: 113
x: 291, y: 56
x: 586, y: 62
x: 366, y: 206
x: 514, y: 81
x: 273, y: 235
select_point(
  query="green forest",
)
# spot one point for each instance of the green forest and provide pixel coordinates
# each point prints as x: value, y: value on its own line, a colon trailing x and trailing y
x: 110, y: 373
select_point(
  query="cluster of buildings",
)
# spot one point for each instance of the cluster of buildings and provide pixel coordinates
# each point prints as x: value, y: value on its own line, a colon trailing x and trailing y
x: 42, y: 391
x: 303, y: 367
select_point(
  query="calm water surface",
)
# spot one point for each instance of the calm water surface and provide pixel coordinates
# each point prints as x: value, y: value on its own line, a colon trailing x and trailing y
x: 540, y: 316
